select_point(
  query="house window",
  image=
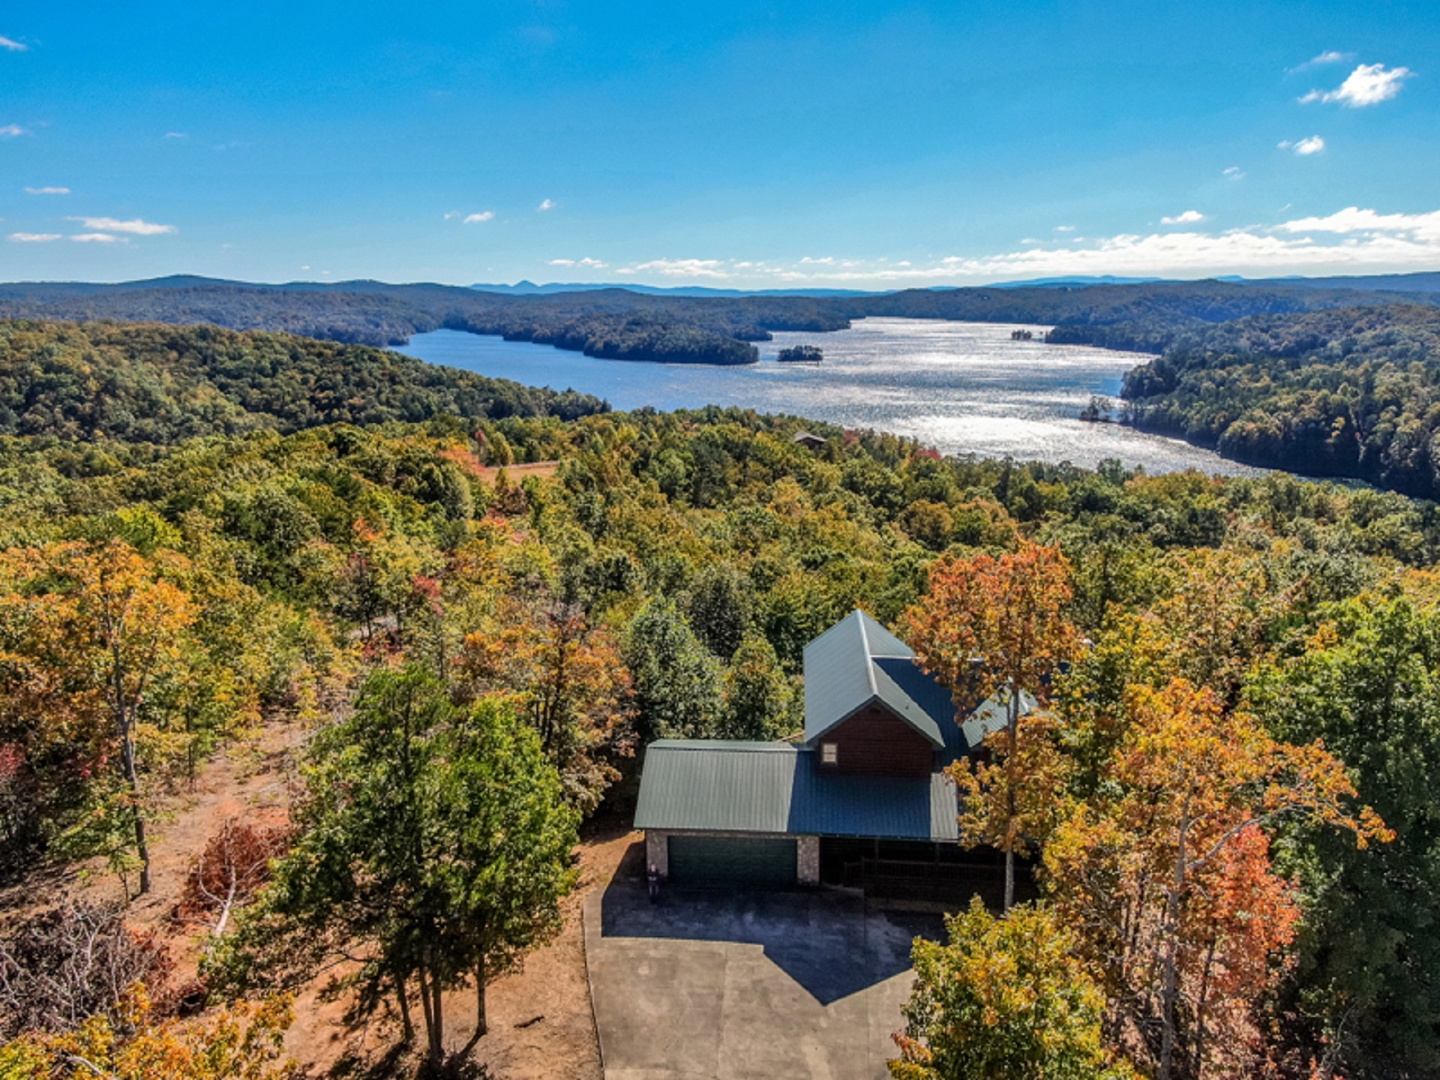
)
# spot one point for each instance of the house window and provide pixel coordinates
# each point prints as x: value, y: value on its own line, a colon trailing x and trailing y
x: 829, y: 753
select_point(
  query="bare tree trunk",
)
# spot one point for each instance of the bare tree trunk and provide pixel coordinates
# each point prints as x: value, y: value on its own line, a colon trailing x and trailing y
x: 407, y: 1025
x: 427, y: 1005
x: 1170, y: 986
x: 481, y: 1025
x: 132, y: 781
x: 125, y: 729
x: 437, y: 1031
x: 229, y: 906
x: 1169, y: 992
x: 1012, y: 730
x: 434, y: 1018
x: 1200, y: 1012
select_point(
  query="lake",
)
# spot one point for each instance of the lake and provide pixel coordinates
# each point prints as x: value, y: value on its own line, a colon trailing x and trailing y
x: 963, y: 388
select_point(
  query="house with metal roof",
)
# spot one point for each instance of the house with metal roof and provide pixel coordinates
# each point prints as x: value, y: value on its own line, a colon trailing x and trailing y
x: 865, y: 791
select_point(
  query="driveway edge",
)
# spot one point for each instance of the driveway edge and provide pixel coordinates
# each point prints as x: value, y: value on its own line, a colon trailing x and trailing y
x: 585, y: 921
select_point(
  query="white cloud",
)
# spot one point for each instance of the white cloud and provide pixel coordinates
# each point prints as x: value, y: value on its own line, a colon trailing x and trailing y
x: 475, y: 219
x: 11, y: 45
x: 1234, y: 172
x: 1328, y: 57
x: 585, y: 263
x: 1189, y: 217
x: 95, y: 238
x: 1352, y: 240
x: 175, y: 135
x: 1064, y: 228
x: 34, y: 237
x: 1368, y: 84
x: 135, y: 226
x: 304, y: 268
x: 545, y: 204
x: 1353, y: 220
x: 11, y: 131
x: 1304, y: 147
x: 47, y: 191
x: 706, y: 268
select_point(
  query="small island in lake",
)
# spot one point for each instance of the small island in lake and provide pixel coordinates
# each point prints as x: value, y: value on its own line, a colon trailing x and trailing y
x: 801, y: 354
x: 1098, y: 411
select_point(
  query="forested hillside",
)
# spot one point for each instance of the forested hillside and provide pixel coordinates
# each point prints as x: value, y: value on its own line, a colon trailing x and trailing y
x: 445, y: 637
x: 162, y: 384
x: 668, y: 578
x: 1349, y: 392
x: 617, y: 324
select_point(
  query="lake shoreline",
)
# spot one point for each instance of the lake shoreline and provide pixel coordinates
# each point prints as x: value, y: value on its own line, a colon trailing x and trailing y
x: 963, y: 388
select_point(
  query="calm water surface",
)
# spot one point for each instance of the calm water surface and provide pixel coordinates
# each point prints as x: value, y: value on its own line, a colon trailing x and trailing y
x: 964, y: 388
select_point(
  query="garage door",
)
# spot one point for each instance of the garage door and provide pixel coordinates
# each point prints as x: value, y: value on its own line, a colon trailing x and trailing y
x: 729, y: 860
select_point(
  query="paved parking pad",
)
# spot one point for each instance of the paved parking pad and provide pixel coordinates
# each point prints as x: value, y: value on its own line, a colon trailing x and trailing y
x: 727, y: 985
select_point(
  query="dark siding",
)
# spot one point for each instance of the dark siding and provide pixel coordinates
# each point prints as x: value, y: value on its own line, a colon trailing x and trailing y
x: 876, y: 742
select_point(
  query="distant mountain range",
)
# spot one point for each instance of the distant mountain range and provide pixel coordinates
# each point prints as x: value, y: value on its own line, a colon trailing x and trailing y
x: 700, y: 324
x: 529, y: 288
x: 1427, y: 281
x: 1423, y: 281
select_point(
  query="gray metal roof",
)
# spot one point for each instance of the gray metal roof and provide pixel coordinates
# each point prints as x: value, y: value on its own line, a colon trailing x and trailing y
x: 857, y: 662
x: 992, y: 715
x: 697, y: 784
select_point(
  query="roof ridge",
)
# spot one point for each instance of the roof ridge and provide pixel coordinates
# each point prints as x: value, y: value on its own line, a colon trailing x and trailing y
x: 869, y: 656
x: 908, y: 654
x: 725, y: 745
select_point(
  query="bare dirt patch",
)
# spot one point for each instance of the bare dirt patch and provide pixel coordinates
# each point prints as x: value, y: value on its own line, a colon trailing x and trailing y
x: 540, y: 1021
x: 516, y: 473
x: 541, y: 1025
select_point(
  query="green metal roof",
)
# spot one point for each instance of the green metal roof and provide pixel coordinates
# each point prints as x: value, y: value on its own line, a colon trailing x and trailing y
x: 857, y: 662
x: 774, y: 788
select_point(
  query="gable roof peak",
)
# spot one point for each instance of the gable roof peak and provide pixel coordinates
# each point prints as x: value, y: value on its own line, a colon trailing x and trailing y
x: 856, y: 662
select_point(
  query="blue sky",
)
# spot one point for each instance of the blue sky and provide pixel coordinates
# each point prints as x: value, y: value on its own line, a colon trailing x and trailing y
x: 732, y: 144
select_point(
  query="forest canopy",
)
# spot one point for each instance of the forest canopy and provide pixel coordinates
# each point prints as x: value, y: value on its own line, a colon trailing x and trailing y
x: 1353, y: 392
x: 618, y: 324
x: 162, y: 384
x: 659, y: 575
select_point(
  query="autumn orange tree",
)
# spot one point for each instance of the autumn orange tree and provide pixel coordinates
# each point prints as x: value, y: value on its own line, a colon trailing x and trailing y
x: 1166, y: 873
x: 87, y: 631
x: 566, y: 679
x: 996, y: 625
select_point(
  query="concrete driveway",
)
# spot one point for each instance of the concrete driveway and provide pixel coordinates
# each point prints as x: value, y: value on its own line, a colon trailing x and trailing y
x: 725, y: 985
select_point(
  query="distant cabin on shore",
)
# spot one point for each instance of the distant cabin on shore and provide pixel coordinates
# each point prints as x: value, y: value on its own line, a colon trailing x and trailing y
x: 1022, y: 335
